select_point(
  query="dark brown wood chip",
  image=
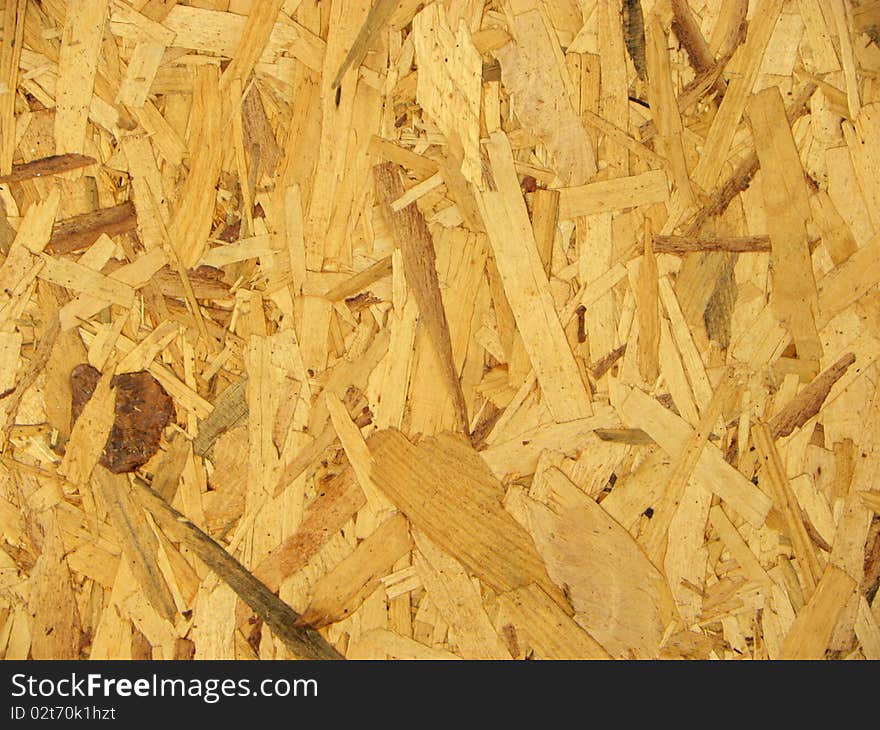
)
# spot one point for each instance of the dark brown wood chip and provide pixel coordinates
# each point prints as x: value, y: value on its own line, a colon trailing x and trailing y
x: 143, y: 409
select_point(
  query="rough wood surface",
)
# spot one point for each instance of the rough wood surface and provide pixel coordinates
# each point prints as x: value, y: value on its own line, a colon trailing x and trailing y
x: 482, y: 329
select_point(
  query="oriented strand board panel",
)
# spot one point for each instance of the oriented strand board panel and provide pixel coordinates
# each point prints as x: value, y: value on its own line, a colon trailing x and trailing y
x: 464, y: 329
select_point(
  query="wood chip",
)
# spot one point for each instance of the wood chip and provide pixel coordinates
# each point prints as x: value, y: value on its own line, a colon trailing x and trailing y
x: 79, y: 232
x: 448, y: 88
x: 527, y: 290
x: 724, y: 125
x: 417, y: 246
x: 343, y: 589
x: 142, y: 411
x: 139, y: 544
x: 283, y: 620
x: 444, y: 489
x: 57, y: 626
x: 52, y: 165
x: 787, y: 206
x: 545, y: 628
x: 671, y: 433
x: 613, y: 195
x: 10, y: 58
x: 810, y: 633
x: 619, y: 597
x: 532, y: 71
x: 78, y: 64
x: 451, y: 590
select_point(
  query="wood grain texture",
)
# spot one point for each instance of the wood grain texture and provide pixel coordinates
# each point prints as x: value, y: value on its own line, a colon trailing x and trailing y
x: 446, y: 491
x: 439, y: 330
x: 794, y: 296
x: 417, y: 246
